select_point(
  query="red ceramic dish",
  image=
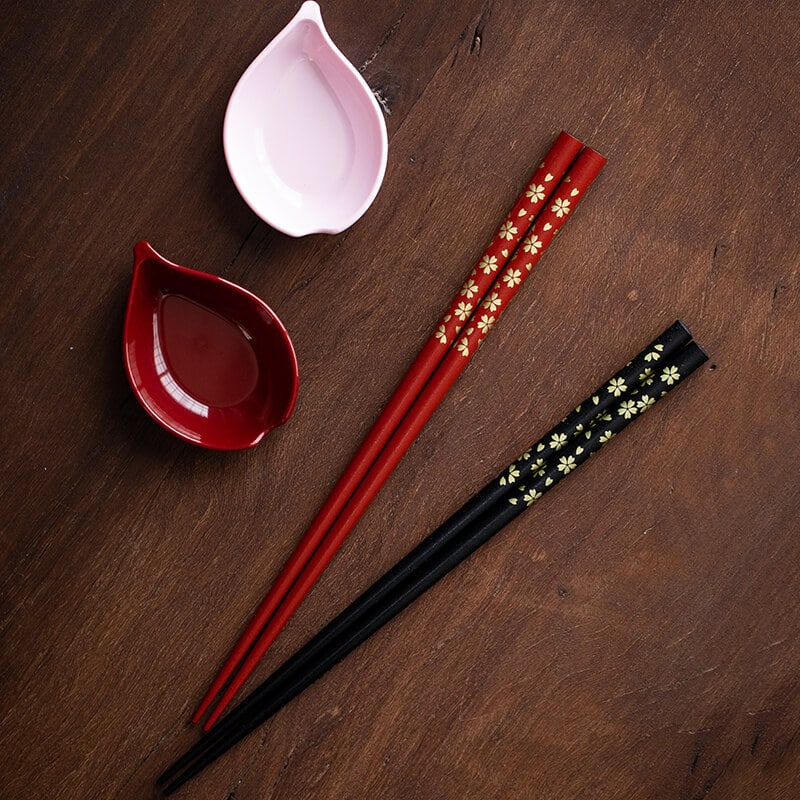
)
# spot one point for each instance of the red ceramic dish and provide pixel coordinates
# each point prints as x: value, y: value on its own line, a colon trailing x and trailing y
x: 208, y: 360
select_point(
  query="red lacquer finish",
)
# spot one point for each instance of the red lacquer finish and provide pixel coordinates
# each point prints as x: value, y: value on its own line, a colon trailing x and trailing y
x: 208, y: 360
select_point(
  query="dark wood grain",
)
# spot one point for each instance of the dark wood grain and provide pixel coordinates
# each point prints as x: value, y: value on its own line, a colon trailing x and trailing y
x: 637, y: 635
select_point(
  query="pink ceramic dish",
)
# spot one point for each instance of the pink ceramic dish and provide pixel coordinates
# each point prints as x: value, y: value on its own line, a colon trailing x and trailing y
x: 208, y: 360
x: 304, y: 137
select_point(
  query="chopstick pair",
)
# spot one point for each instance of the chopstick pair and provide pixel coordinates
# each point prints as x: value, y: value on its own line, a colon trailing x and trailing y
x: 549, y: 198
x: 660, y: 367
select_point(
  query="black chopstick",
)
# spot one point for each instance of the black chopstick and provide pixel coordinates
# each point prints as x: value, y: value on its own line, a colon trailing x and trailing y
x: 660, y: 371
x: 639, y: 368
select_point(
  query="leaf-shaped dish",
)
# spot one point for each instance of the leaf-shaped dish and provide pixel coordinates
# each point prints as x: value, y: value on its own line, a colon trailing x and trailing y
x: 208, y: 360
x: 304, y: 137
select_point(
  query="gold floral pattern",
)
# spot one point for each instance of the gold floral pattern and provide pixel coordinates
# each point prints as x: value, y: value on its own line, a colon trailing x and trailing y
x: 655, y: 353
x: 617, y: 387
x: 531, y: 496
x: 670, y: 375
x: 627, y: 408
x: 441, y: 334
x: 596, y: 421
x: 463, y: 346
x: 644, y: 402
x: 560, y: 207
x: 566, y: 464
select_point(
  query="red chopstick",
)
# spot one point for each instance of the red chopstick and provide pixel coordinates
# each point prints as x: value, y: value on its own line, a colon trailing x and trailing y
x: 544, y: 229
x: 494, y: 259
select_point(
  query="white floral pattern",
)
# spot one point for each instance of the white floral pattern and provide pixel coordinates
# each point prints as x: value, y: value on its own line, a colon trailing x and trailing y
x: 469, y: 289
x: 493, y: 302
x: 512, y: 277
x: 508, y: 230
x: 488, y: 264
x: 535, y: 192
x: 560, y: 207
x: 532, y: 244
x: 463, y: 310
x: 485, y: 324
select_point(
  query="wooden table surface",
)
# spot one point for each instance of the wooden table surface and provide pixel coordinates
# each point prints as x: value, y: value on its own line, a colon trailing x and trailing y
x: 636, y: 635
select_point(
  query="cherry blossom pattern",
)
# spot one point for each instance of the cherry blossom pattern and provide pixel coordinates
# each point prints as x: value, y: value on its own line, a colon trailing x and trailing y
x: 566, y: 464
x: 488, y: 264
x: 512, y: 277
x: 510, y: 476
x: 535, y: 192
x: 492, y: 302
x: 469, y: 289
x: 538, y: 467
x: 441, y: 333
x: 670, y: 375
x: 560, y: 207
x: 485, y: 323
x: 644, y: 402
x: 655, y: 353
x: 531, y: 496
x: 532, y: 244
x: 617, y: 387
x: 508, y: 230
x: 627, y: 408
x: 463, y: 310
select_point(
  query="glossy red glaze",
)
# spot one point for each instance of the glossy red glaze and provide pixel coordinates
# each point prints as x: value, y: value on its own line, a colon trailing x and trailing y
x: 208, y: 360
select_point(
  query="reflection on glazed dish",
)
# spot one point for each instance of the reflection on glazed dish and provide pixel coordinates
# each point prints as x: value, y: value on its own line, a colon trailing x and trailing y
x: 166, y: 376
x: 304, y: 137
x: 206, y: 353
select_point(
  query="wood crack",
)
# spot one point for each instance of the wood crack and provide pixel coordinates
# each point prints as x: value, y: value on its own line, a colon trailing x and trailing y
x: 386, y: 36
